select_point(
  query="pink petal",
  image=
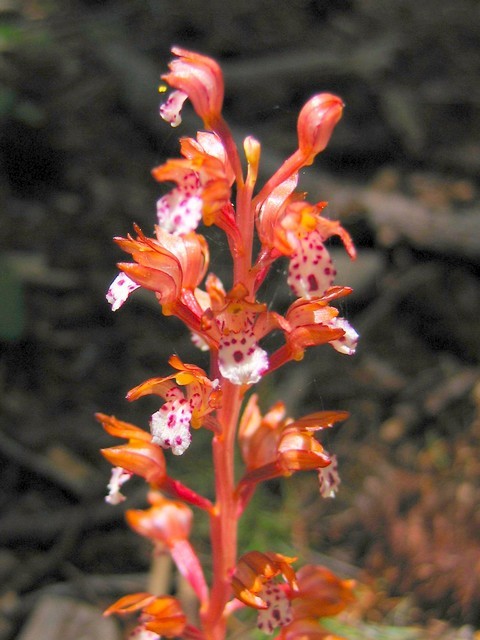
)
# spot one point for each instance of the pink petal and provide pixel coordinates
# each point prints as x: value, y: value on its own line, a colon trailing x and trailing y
x: 118, y: 478
x: 170, y: 110
x: 119, y: 290
x: 240, y: 358
x: 311, y: 271
x: 170, y: 425
x: 347, y: 344
x: 180, y: 211
x: 278, y: 613
x: 328, y: 479
x: 140, y: 633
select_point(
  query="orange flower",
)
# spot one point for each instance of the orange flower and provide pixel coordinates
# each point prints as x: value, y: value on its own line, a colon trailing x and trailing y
x: 254, y: 570
x: 289, y: 226
x: 202, y: 394
x: 139, y: 456
x: 167, y: 265
x: 259, y: 435
x: 170, y: 425
x: 254, y: 584
x: 201, y: 79
x: 276, y: 446
x: 236, y: 324
x: 162, y: 615
x: 204, y: 177
x: 321, y: 593
x: 313, y: 322
x: 165, y: 617
x: 316, y: 122
x: 208, y: 144
x: 171, y: 266
x: 298, y: 450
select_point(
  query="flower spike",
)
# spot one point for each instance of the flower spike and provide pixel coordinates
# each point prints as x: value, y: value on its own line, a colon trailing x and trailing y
x: 235, y: 327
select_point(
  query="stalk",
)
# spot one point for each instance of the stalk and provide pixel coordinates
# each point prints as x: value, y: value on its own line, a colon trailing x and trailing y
x: 223, y: 521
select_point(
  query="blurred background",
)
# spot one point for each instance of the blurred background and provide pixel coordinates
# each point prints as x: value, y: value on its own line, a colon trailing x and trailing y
x: 79, y: 134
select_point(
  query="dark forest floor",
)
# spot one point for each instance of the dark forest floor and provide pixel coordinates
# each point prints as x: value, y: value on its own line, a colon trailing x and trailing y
x: 78, y: 137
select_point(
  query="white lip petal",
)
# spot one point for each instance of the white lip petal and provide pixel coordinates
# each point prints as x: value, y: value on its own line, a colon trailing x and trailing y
x: 241, y: 360
x: 119, y: 290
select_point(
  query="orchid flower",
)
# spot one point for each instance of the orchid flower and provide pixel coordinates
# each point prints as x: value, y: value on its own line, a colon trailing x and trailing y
x: 275, y: 445
x: 254, y: 584
x: 295, y: 606
x: 232, y: 325
x: 170, y: 425
x: 161, y: 615
x: 204, y: 177
x: 200, y: 79
x: 171, y: 266
x: 139, y: 456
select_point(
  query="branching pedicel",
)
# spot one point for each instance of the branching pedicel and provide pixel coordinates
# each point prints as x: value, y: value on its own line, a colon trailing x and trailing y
x: 231, y: 325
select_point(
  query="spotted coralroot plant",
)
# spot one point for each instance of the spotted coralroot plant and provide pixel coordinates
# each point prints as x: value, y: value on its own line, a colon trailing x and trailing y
x: 231, y: 323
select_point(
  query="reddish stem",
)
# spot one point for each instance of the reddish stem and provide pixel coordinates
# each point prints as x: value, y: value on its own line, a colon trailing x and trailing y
x: 223, y: 520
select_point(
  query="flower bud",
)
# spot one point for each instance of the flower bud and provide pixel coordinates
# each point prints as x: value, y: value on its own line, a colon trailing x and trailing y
x: 316, y: 122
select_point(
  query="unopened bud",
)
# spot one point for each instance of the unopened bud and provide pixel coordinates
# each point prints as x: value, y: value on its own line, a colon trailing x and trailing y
x: 316, y: 122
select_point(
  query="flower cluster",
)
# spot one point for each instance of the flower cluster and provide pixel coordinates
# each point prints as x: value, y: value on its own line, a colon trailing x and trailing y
x: 231, y: 323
